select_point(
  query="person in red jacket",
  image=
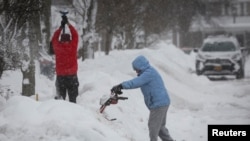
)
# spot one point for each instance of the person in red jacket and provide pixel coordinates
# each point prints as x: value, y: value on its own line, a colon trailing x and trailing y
x: 65, y: 51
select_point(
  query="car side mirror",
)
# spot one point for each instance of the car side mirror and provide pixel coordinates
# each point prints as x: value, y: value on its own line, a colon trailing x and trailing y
x: 244, y: 51
x: 195, y: 50
x: 243, y: 48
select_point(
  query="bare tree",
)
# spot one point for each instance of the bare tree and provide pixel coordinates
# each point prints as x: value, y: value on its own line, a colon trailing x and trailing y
x: 20, y: 21
x: 87, y: 9
x: 105, y: 22
x: 126, y: 18
x: 11, y: 22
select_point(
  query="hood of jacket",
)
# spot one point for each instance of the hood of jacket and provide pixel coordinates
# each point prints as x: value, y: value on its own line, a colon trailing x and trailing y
x: 140, y: 63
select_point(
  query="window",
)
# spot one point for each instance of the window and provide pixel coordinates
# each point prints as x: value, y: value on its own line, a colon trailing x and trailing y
x: 219, y: 46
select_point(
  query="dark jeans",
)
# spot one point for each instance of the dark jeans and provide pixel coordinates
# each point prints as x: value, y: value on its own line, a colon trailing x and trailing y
x: 68, y: 84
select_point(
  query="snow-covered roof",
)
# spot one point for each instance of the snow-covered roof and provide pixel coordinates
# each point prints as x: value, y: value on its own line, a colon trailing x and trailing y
x: 221, y: 38
x: 225, y: 23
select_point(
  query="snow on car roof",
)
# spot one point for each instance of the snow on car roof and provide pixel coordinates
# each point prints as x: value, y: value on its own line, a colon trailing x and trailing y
x: 221, y: 38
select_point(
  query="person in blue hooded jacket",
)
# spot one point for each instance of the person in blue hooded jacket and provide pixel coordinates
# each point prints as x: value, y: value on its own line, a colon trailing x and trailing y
x: 155, y: 96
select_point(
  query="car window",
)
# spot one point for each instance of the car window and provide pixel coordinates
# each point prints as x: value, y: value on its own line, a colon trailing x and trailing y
x: 218, y: 46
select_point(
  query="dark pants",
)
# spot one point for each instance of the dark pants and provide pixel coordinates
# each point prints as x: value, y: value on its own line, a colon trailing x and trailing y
x: 68, y: 84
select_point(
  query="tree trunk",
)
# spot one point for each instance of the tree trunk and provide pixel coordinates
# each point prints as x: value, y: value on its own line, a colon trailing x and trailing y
x: 108, y: 41
x: 28, y: 83
x: 28, y: 68
x: 130, y: 42
x: 89, y: 38
x: 45, y: 18
x: 83, y: 50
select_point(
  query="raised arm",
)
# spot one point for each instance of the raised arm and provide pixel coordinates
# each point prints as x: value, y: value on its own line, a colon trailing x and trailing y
x: 55, y: 38
x: 74, y: 34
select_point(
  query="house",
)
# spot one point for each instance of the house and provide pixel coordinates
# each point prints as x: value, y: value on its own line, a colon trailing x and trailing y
x: 222, y: 17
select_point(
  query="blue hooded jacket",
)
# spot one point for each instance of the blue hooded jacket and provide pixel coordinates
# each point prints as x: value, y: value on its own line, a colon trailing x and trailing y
x: 150, y: 82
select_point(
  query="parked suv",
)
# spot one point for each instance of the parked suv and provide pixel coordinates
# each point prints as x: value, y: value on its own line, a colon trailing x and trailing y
x: 220, y: 55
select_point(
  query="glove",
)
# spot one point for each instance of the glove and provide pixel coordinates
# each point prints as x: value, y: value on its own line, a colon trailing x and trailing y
x: 65, y: 19
x: 62, y: 24
x: 117, y: 89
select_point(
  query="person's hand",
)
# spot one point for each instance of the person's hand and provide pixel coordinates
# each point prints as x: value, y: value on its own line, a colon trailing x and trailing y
x: 62, y: 24
x: 65, y: 19
x: 117, y: 89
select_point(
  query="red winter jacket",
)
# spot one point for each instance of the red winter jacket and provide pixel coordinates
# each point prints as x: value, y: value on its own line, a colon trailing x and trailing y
x: 66, y: 53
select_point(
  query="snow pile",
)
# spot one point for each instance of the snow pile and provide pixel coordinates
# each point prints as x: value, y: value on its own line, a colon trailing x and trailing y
x: 196, y: 101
